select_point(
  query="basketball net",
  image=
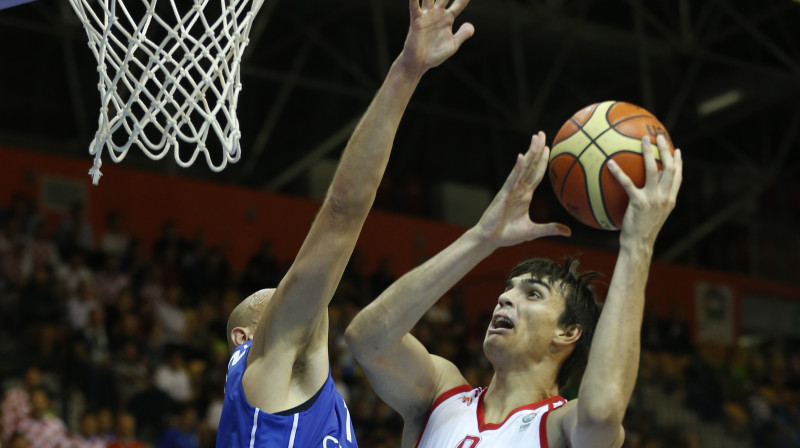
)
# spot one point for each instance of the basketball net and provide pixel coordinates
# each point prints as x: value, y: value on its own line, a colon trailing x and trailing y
x: 169, y: 77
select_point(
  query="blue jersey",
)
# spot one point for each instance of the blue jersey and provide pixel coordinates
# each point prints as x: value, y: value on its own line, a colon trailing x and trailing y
x: 323, y: 424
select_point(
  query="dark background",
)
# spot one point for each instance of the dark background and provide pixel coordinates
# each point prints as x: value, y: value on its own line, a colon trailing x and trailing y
x: 312, y: 67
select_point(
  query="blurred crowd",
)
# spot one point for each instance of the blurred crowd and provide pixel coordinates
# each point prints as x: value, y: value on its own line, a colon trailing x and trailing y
x: 108, y: 343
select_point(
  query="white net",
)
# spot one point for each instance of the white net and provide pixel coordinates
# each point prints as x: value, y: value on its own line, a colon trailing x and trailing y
x: 169, y: 77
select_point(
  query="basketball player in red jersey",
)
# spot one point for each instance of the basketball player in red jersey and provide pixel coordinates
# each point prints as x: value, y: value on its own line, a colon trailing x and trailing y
x: 542, y: 324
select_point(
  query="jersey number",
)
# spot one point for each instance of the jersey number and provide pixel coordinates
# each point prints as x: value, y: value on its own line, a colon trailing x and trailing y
x: 469, y: 442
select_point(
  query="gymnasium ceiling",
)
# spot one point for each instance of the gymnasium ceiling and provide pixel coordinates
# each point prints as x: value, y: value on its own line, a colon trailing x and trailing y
x: 313, y: 66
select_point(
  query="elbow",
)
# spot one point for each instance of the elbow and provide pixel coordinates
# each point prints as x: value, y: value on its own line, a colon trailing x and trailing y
x: 355, y: 340
x: 352, y: 201
x: 607, y: 410
x: 608, y: 416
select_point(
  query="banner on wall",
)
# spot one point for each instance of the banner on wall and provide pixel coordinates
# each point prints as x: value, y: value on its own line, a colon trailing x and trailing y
x: 770, y: 315
x: 714, y: 313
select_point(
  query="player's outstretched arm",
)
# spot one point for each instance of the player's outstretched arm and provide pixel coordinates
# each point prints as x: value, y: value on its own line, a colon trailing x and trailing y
x: 613, y: 362
x: 295, y: 315
x: 400, y: 369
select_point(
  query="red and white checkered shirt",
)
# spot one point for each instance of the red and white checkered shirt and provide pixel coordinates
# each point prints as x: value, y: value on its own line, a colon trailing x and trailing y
x: 46, y: 432
x: 15, y: 407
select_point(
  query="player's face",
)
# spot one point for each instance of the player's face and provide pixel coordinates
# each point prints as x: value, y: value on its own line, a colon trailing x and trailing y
x: 525, y: 319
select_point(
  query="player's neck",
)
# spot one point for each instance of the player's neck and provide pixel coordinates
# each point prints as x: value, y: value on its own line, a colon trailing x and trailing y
x: 512, y: 389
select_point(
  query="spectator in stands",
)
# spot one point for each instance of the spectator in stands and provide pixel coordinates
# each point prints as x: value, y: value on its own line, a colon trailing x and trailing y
x: 40, y: 427
x: 74, y: 232
x: 263, y: 269
x: 16, y: 264
x: 88, y: 433
x: 42, y: 310
x: 105, y: 424
x: 151, y: 408
x: 173, y: 377
x: 43, y: 251
x: 125, y: 433
x: 111, y: 280
x: 75, y: 271
x: 80, y: 304
x: 170, y: 316
x: 16, y: 404
x: 210, y: 272
x: 170, y: 239
x: 114, y: 240
x: 130, y: 373
x: 184, y: 433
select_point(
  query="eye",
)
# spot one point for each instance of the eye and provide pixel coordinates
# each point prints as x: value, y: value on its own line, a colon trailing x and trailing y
x: 535, y: 294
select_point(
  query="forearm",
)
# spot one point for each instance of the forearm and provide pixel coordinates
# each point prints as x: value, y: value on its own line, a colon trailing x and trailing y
x: 308, y: 286
x: 382, y: 324
x: 614, y: 357
x: 367, y: 152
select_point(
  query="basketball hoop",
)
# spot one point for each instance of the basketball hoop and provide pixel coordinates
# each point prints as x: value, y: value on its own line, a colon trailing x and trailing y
x: 169, y: 77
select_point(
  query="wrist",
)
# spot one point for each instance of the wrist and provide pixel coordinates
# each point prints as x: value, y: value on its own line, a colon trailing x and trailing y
x: 407, y: 66
x: 636, y: 245
x: 484, y: 242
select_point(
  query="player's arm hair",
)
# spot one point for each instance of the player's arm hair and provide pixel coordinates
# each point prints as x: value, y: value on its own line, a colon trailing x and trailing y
x: 303, y: 295
x: 400, y: 368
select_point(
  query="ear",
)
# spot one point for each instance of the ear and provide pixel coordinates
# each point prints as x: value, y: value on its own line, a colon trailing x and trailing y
x: 565, y: 337
x: 239, y: 335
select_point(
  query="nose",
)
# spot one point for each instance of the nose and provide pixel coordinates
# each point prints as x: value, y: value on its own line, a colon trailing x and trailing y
x: 504, y: 300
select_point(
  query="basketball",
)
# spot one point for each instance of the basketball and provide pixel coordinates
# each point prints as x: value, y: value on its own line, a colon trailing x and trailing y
x: 581, y: 150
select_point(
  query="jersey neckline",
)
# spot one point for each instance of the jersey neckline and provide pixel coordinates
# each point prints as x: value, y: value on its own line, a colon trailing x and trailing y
x: 483, y: 426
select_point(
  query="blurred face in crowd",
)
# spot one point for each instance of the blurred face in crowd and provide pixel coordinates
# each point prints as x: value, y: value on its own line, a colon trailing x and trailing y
x: 126, y: 425
x: 188, y: 419
x: 40, y: 403
x: 105, y: 420
x: 89, y: 426
x: 33, y: 378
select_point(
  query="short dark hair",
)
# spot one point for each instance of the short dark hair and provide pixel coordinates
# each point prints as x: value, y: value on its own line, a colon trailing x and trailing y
x: 582, y: 307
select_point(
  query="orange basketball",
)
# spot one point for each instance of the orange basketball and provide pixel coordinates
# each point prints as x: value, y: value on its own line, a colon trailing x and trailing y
x: 581, y: 150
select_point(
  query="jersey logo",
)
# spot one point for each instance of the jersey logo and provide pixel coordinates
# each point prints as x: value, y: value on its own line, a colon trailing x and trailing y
x: 237, y: 355
x: 469, y: 442
x: 333, y: 442
x: 526, y: 421
x: 466, y: 399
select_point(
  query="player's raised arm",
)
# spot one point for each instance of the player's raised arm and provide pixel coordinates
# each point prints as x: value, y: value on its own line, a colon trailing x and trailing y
x: 400, y: 369
x: 305, y: 291
x: 611, y: 370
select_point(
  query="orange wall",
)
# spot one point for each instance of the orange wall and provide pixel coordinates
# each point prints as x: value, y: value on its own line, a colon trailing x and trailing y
x: 147, y: 199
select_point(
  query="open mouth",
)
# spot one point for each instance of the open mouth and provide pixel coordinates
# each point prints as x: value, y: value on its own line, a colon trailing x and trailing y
x: 501, y: 322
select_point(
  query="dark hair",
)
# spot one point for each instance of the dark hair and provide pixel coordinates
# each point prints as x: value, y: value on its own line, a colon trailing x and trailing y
x: 582, y: 307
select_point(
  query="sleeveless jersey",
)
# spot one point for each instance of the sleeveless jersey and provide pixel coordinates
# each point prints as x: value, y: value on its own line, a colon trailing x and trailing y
x: 323, y: 424
x: 456, y: 421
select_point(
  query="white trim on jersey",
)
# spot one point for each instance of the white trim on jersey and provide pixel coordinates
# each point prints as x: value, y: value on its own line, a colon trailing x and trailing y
x: 349, y: 436
x: 255, y: 426
x: 294, y: 430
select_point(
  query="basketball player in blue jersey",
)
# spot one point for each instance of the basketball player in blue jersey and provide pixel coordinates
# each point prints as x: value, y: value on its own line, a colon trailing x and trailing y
x: 545, y: 324
x: 279, y: 391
